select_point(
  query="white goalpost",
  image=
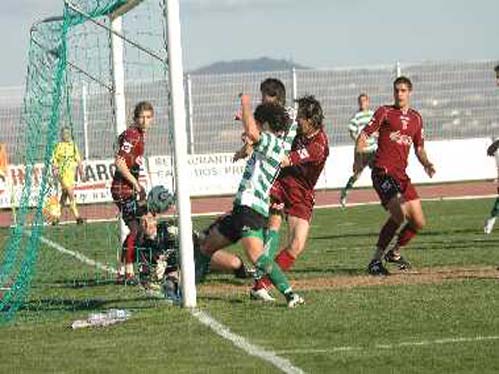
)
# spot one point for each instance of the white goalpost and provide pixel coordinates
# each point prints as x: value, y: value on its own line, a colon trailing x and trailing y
x: 176, y: 75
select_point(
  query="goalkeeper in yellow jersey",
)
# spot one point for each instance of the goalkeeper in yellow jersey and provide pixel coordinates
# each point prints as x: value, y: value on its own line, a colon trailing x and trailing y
x: 66, y: 161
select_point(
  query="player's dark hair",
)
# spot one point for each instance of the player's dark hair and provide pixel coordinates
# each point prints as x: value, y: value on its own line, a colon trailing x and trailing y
x: 496, y: 69
x: 273, y: 87
x: 310, y: 108
x: 363, y: 94
x: 403, y: 80
x: 274, y: 115
x: 143, y: 106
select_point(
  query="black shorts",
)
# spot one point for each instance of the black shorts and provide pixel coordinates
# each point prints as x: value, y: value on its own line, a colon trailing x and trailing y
x: 130, y: 209
x: 388, y: 186
x: 239, y: 222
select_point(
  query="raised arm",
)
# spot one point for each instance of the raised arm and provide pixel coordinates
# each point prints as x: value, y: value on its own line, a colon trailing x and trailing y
x: 250, y: 127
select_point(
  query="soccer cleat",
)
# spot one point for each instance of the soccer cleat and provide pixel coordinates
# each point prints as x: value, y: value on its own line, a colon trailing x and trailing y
x: 294, y: 300
x: 261, y: 294
x: 120, y: 279
x: 489, y: 225
x: 343, y: 198
x: 80, y: 221
x: 376, y: 267
x: 399, y: 260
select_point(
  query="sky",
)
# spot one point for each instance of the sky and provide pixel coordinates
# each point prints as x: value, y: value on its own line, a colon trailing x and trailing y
x: 315, y: 33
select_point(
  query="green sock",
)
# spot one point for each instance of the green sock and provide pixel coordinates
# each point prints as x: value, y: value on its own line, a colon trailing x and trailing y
x: 271, y: 242
x: 266, y: 265
x: 271, y: 246
x: 495, y: 209
x: 350, y: 183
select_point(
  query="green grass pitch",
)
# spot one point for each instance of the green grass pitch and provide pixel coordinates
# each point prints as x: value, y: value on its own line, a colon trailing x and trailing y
x: 441, y: 318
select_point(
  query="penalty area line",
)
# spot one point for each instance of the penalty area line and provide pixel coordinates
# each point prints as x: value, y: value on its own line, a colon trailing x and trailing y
x: 421, y: 343
x: 204, y: 318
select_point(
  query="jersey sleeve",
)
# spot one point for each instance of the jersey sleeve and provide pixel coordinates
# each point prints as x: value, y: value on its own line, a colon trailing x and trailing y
x: 55, y: 155
x: 314, y: 152
x: 290, y: 136
x: 77, y: 154
x: 418, y: 138
x: 126, y: 145
x: 353, y: 126
x: 375, y: 122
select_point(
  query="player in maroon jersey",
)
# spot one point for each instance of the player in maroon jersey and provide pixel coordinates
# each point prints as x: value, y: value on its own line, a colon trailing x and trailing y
x: 126, y: 190
x: 399, y: 127
x: 292, y: 194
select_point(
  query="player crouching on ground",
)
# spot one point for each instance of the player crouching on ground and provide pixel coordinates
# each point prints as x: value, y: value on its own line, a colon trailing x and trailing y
x: 157, y: 256
x: 293, y: 192
x: 399, y: 127
x: 266, y: 129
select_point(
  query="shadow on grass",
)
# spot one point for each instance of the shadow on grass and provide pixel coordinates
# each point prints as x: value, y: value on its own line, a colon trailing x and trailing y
x: 79, y: 283
x: 328, y: 271
x: 469, y: 230
x: 345, y: 236
x: 88, y: 304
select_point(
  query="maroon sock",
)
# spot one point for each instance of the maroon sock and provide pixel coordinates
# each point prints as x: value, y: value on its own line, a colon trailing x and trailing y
x: 386, y: 234
x: 406, y: 234
x: 130, y: 247
x: 285, y: 260
x: 264, y: 282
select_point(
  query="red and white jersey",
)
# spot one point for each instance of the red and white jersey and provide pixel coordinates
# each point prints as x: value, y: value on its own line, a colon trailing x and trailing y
x: 398, y: 131
x: 308, y: 156
x: 130, y: 147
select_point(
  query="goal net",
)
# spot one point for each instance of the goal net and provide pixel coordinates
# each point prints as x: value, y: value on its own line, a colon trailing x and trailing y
x: 87, y: 69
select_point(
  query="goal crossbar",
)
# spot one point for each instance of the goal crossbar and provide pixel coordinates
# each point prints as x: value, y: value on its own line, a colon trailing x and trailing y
x: 154, y: 55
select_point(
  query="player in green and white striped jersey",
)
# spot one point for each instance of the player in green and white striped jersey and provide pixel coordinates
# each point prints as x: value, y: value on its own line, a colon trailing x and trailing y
x: 357, y: 124
x: 271, y: 133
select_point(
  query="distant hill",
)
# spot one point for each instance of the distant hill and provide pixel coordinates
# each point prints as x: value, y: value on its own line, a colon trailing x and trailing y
x: 245, y: 66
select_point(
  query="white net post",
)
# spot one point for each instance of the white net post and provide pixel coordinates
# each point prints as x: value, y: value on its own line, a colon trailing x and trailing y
x: 84, y: 109
x: 176, y: 76
x: 118, y: 76
x: 190, y: 113
x: 398, y: 69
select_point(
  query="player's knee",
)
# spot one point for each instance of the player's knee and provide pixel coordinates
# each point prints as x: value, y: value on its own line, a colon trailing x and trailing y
x: 419, y: 223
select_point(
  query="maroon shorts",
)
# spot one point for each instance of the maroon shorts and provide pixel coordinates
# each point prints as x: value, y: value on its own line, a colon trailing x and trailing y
x: 296, y: 201
x: 388, y: 186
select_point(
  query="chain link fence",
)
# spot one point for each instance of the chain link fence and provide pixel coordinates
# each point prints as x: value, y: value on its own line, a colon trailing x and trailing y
x: 457, y: 100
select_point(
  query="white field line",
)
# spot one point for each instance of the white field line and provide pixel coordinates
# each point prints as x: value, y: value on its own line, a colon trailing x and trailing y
x: 254, y: 350
x: 443, y: 198
x: 392, y: 346
x: 204, y: 318
x: 78, y: 256
x: 324, y: 206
